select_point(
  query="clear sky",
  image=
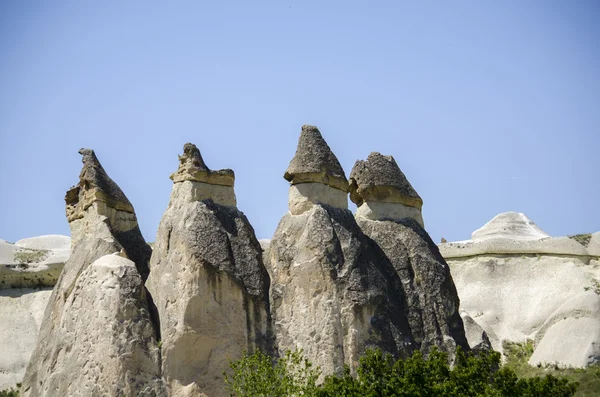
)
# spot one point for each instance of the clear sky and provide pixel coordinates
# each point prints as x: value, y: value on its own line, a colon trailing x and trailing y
x: 487, y: 106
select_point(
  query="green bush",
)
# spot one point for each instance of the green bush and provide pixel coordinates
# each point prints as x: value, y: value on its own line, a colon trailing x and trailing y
x: 379, y: 375
x: 11, y: 392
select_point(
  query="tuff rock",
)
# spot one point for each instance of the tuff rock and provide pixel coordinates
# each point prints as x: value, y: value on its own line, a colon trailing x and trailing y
x: 517, y: 283
x: 71, y: 356
x: 209, y: 284
x: 381, y: 191
x: 430, y: 293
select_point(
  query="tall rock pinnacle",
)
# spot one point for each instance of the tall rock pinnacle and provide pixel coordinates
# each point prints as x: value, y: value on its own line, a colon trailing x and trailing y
x: 315, y: 174
x: 194, y: 181
x: 208, y: 281
x: 381, y: 191
x: 332, y: 292
x: 85, y: 345
x: 389, y: 213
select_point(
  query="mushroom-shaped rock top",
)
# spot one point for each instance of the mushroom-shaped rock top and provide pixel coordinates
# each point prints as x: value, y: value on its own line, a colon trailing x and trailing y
x: 510, y: 225
x: 94, y: 185
x: 193, y: 168
x: 315, y: 162
x: 380, y: 179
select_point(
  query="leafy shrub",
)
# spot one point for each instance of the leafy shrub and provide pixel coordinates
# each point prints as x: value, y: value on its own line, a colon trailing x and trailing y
x: 30, y: 256
x: 11, y: 392
x: 259, y: 375
x: 379, y: 375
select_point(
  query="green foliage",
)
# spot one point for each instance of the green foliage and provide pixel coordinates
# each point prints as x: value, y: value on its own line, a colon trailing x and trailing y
x: 595, y: 287
x: 11, y: 392
x: 379, y: 375
x: 257, y: 375
x: 517, y: 357
x: 30, y: 256
x: 583, y: 239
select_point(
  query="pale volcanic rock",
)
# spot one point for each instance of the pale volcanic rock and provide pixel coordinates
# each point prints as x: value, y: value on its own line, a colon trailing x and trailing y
x: 33, y: 262
x: 102, y: 222
x: 530, y: 287
x: 211, y: 290
x: 21, y: 314
x: 381, y: 191
x: 315, y: 174
x: 315, y: 162
x: 510, y: 225
x: 332, y: 293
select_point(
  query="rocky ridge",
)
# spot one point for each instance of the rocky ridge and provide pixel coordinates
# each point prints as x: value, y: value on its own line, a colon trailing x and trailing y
x: 329, y: 282
x: 518, y: 283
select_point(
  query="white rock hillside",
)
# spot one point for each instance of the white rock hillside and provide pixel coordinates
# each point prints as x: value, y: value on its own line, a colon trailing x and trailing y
x: 518, y: 283
x: 28, y: 270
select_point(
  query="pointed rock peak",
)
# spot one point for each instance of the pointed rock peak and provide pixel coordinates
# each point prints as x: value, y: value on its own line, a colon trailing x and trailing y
x: 94, y: 186
x: 380, y: 179
x: 510, y: 225
x: 192, y: 168
x: 315, y: 162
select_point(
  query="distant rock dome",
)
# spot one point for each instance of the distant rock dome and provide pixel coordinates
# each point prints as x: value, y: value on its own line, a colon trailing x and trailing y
x: 510, y: 225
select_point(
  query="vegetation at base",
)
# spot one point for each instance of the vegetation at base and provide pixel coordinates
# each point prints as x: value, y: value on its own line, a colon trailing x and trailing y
x: 11, y: 392
x: 379, y: 375
x: 30, y: 256
x: 583, y: 239
x: 518, y: 354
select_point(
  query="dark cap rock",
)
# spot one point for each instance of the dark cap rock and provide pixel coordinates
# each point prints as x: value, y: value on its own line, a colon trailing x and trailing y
x: 380, y: 179
x: 192, y: 168
x: 94, y: 185
x: 315, y: 162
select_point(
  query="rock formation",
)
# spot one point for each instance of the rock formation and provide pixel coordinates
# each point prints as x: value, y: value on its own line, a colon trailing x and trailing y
x: 381, y: 191
x: 518, y: 283
x: 208, y: 280
x: 334, y: 291
x: 392, y: 219
x: 97, y: 337
x: 315, y: 175
x: 29, y: 269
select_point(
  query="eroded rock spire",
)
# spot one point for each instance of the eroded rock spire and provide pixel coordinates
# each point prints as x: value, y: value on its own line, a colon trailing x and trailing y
x: 315, y: 162
x: 381, y: 191
x: 194, y: 181
x: 315, y: 174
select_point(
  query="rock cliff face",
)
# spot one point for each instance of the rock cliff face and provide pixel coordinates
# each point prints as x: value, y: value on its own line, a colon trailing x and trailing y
x: 518, y: 283
x: 334, y: 290
x: 208, y: 280
x: 112, y: 352
x: 393, y: 221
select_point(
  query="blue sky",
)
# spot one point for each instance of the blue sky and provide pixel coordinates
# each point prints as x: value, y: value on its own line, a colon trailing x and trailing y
x: 487, y: 106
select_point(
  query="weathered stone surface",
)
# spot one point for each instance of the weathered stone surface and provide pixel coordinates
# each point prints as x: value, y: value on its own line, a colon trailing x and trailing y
x: 380, y: 179
x: 304, y: 195
x: 571, y: 335
x: 315, y: 162
x: 33, y: 262
x: 190, y: 191
x: 530, y: 287
x: 211, y: 290
x: 510, y: 225
x: 103, y: 225
x: 378, y: 211
x: 21, y: 312
x: 432, y: 300
x: 478, y: 339
x: 332, y: 293
x: 192, y: 168
x: 105, y: 343
x: 94, y: 186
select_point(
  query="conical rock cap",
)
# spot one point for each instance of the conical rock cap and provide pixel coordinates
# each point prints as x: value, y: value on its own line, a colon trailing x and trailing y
x: 315, y: 162
x: 94, y: 185
x: 510, y: 225
x: 380, y: 179
x: 193, y: 168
